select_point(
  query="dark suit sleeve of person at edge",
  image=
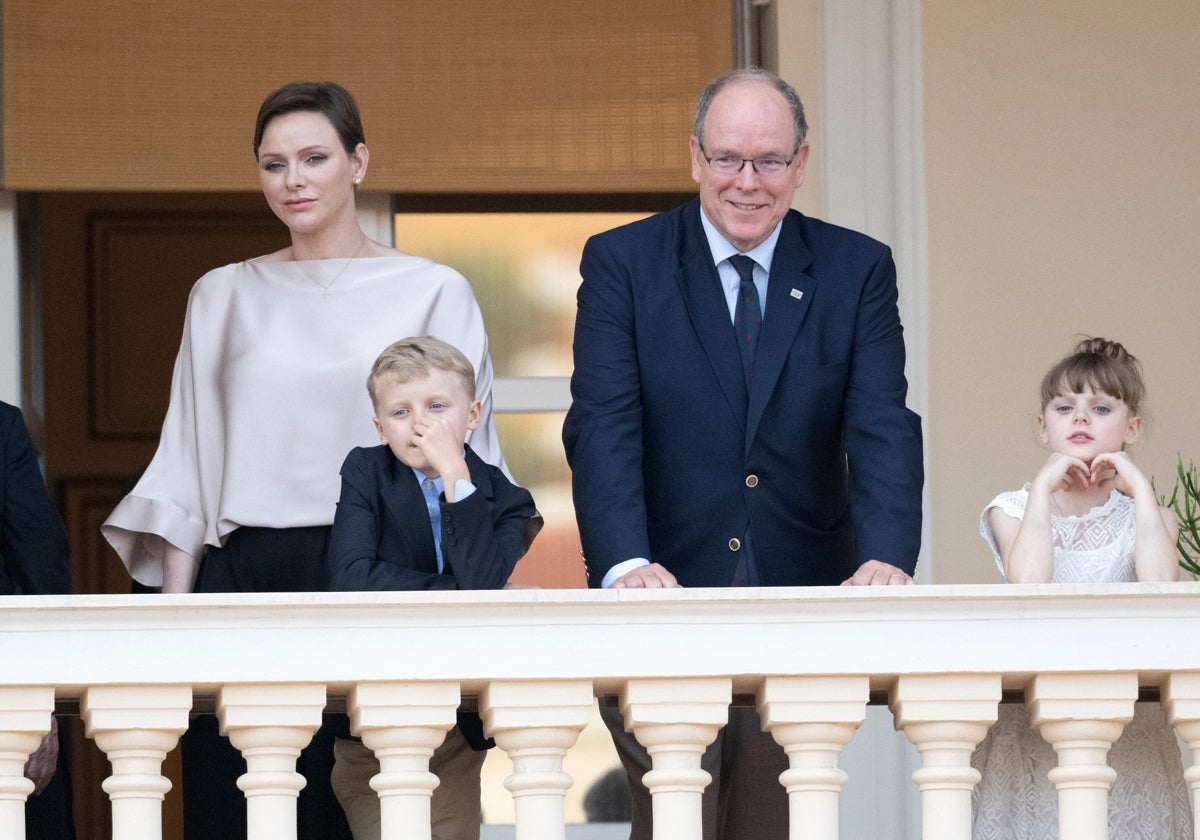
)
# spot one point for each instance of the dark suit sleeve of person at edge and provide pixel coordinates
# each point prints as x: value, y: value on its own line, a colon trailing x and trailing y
x: 738, y: 410
x: 33, y: 561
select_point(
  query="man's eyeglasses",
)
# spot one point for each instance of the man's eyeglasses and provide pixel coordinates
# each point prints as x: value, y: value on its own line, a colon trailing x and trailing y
x: 766, y: 166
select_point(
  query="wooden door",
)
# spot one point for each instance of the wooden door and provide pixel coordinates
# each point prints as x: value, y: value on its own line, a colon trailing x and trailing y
x: 113, y: 272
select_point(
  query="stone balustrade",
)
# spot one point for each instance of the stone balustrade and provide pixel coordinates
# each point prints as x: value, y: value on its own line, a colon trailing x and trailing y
x: 533, y: 661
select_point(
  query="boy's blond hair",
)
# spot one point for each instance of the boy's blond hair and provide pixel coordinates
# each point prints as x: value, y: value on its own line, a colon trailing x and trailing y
x: 416, y: 357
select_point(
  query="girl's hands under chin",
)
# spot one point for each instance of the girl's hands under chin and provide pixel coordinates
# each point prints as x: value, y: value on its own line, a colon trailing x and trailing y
x: 1063, y: 472
x: 1118, y: 467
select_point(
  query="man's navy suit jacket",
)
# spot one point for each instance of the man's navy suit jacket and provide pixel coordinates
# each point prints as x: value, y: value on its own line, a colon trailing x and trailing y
x: 33, y: 540
x: 675, y: 458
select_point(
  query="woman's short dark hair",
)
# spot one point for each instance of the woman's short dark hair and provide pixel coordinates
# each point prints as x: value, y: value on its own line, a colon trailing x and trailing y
x: 328, y: 98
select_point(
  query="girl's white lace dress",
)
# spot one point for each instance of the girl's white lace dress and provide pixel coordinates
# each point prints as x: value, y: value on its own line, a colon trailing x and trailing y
x: 1015, y: 800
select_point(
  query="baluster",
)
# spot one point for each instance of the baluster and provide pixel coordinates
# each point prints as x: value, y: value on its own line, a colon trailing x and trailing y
x: 675, y: 720
x: 1181, y: 700
x: 945, y: 717
x: 403, y: 723
x: 812, y: 718
x: 136, y: 726
x: 270, y: 724
x: 1081, y: 715
x: 24, y: 720
x: 535, y: 723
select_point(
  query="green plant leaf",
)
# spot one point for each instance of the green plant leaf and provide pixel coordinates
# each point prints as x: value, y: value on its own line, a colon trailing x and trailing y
x: 1185, y: 501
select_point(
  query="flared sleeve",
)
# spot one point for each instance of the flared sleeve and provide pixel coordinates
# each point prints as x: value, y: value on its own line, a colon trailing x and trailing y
x: 269, y: 394
x: 167, y: 505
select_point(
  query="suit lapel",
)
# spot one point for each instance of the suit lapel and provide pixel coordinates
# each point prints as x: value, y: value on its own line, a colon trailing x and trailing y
x: 789, y: 293
x: 709, y: 312
x: 405, y: 505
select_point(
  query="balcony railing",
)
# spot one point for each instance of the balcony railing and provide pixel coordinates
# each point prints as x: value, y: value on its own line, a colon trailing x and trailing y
x: 534, y: 661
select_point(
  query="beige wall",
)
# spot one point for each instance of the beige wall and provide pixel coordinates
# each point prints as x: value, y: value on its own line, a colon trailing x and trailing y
x: 799, y: 26
x: 1063, y: 181
x: 1063, y: 189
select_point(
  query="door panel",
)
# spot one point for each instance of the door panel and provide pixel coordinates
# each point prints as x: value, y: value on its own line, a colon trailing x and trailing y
x: 114, y: 272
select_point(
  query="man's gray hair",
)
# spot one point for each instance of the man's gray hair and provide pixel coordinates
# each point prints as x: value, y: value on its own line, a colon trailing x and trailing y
x: 751, y: 74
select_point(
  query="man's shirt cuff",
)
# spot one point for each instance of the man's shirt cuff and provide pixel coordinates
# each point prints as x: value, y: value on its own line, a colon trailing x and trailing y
x: 621, y: 568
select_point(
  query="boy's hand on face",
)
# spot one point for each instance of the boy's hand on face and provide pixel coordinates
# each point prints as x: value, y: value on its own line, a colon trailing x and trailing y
x: 442, y: 447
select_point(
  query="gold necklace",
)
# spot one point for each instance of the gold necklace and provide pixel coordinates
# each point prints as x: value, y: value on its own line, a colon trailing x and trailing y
x: 1057, y: 506
x: 325, y: 287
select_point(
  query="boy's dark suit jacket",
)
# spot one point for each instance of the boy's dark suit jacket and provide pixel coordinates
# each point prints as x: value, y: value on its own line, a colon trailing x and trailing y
x: 383, y: 541
x: 673, y: 456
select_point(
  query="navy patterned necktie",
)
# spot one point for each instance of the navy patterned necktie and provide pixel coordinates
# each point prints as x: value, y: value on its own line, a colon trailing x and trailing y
x: 747, y: 314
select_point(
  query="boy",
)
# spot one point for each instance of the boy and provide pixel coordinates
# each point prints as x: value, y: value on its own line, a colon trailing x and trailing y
x: 423, y: 512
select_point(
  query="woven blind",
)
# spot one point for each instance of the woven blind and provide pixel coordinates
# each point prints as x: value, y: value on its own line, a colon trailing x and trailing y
x: 470, y: 96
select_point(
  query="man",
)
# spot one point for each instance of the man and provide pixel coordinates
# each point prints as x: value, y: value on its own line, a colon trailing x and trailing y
x: 33, y: 561
x: 741, y: 421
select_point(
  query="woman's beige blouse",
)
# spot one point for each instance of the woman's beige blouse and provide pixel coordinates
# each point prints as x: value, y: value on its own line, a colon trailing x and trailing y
x: 269, y: 395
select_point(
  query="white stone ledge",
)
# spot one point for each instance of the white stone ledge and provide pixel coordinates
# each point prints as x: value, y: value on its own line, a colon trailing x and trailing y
x: 532, y: 659
x: 471, y: 637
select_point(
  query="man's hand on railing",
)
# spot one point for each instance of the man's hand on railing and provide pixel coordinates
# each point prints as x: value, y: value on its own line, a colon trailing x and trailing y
x: 875, y: 573
x: 650, y: 576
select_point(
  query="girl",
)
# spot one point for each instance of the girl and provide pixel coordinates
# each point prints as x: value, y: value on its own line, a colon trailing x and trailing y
x: 1089, y: 516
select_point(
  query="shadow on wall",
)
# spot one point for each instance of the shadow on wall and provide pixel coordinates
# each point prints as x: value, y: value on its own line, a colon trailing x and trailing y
x: 607, y: 800
x: 606, y: 804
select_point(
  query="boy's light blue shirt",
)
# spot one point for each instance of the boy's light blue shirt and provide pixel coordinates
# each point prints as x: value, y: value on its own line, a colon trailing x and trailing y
x: 432, y: 489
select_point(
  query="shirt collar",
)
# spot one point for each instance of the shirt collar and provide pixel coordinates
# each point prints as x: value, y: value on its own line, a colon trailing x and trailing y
x: 438, y: 484
x: 722, y: 249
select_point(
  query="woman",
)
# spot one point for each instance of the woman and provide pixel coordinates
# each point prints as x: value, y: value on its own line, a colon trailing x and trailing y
x: 267, y: 398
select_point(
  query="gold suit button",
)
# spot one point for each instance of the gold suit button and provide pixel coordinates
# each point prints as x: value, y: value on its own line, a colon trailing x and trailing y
x: 735, y: 544
x: 752, y: 480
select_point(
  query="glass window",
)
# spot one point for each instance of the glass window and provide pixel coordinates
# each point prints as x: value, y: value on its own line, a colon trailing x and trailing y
x: 524, y: 267
x: 532, y: 445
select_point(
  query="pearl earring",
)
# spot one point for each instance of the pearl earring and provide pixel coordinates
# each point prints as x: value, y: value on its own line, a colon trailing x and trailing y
x: 357, y: 181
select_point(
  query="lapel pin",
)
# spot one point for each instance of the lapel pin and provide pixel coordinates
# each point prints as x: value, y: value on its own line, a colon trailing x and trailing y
x: 797, y: 294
